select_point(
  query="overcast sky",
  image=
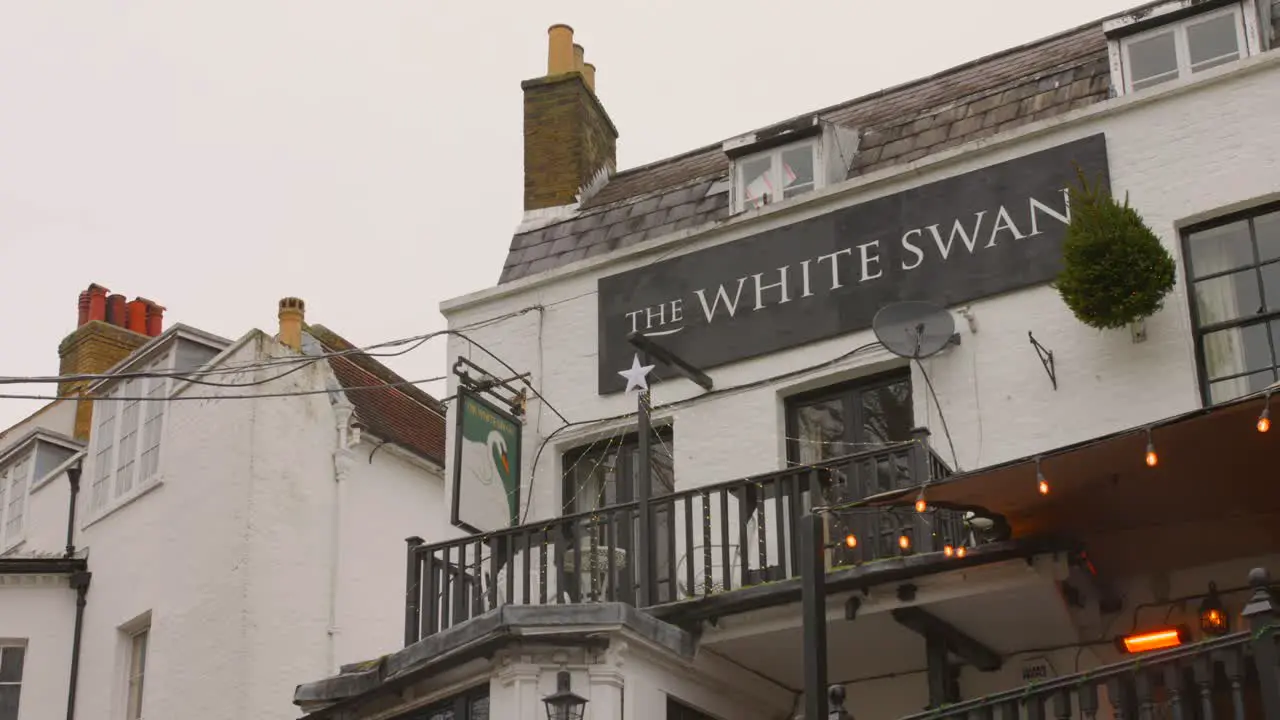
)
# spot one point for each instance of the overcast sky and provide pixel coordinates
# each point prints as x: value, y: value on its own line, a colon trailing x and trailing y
x: 365, y: 155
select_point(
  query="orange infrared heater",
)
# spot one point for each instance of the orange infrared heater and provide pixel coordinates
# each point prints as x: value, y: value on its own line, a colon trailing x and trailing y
x: 1161, y: 639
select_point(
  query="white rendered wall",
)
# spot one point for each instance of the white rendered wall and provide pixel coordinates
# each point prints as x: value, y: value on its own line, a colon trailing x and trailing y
x: 233, y: 554
x: 1184, y: 154
x: 383, y: 502
x: 40, y: 610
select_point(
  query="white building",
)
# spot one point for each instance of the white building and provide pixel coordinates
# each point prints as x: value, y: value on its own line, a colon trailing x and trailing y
x: 220, y: 549
x: 762, y: 261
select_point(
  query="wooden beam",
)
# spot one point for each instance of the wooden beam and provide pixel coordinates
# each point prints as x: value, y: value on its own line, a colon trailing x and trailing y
x: 927, y: 625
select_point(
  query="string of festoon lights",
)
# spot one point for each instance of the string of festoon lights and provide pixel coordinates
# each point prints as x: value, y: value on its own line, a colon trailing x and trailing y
x: 1151, y: 458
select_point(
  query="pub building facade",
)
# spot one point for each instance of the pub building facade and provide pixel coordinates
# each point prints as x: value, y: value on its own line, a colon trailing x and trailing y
x: 681, y: 363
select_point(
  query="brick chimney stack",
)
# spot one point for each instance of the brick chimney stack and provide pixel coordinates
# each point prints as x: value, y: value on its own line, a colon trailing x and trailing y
x: 568, y: 137
x: 108, y: 329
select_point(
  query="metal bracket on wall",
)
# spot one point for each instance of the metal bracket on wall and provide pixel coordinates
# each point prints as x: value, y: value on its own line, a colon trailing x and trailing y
x: 1046, y: 359
x: 486, y: 383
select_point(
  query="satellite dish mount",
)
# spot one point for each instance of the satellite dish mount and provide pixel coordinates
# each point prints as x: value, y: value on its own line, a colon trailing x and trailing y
x: 914, y: 329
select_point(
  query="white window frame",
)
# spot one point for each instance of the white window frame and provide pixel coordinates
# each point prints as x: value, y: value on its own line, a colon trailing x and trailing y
x: 21, y: 645
x: 115, y: 479
x: 138, y: 640
x: 774, y: 155
x: 1181, y: 50
x: 10, y: 478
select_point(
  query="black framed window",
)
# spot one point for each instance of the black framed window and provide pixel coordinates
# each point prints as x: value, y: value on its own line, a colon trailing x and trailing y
x: 605, y: 472
x: 677, y: 710
x: 847, y: 418
x: 12, y: 658
x: 1233, y: 270
x: 470, y: 705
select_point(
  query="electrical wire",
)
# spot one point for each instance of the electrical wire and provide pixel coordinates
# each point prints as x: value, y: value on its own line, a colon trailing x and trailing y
x: 297, y: 393
x: 941, y: 416
x: 533, y: 470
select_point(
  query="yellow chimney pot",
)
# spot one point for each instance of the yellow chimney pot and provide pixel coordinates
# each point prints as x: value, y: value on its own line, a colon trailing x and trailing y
x: 292, y: 311
x: 579, y: 57
x: 560, y: 50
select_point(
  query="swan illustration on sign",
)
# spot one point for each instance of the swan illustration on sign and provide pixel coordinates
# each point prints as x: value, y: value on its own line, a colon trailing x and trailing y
x: 486, y: 475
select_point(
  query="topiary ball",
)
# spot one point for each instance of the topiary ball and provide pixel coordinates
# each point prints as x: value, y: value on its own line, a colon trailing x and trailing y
x: 1115, y: 270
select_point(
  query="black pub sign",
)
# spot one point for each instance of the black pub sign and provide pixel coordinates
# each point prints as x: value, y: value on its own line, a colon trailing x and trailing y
x: 982, y: 233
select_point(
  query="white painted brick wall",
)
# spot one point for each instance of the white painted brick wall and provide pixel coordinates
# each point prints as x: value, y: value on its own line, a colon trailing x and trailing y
x: 1182, y: 154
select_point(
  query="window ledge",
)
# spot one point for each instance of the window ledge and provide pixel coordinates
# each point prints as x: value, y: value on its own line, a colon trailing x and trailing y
x: 10, y: 547
x: 122, y: 502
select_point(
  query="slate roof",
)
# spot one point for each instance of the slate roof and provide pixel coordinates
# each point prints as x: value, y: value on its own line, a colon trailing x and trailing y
x: 404, y: 415
x: 897, y: 125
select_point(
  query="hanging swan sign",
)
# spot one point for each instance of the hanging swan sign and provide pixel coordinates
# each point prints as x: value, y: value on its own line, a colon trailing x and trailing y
x: 486, y: 468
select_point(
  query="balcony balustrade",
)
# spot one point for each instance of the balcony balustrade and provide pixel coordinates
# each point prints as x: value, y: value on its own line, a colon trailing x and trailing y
x: 704, y: 541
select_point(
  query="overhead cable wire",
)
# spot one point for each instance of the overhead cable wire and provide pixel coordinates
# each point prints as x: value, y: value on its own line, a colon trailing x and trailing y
x: 297, y: 393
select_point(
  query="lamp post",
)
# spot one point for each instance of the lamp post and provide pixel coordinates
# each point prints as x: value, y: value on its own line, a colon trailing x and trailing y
x: 564, y: 704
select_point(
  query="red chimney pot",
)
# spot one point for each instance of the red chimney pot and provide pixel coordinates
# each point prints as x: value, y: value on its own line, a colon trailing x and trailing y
x: 116, y: 314
x: 97, y: 302
x: 137, y: 314
x: 155, y: 319
x: 83, y: 308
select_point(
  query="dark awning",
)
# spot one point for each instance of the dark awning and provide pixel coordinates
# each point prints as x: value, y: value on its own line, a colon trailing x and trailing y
x: 1214, y: 495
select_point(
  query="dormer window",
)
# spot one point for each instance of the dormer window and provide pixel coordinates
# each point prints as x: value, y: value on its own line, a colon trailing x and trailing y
x: 787, y: 160
x: 777, y: 174
x: 1177, y: 40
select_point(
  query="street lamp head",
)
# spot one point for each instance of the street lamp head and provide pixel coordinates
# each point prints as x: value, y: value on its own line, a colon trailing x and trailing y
x: 564, y: 704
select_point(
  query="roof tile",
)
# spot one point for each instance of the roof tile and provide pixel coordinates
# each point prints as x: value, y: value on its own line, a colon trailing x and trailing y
x: 399, y: 412
x: 898, y: 125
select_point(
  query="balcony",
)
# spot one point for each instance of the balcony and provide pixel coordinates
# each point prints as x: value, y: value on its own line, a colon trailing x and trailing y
x: 1235, y: 676
x: 697, y: 543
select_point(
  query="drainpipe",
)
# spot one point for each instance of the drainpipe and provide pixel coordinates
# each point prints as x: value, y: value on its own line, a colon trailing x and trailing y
x: 342, y: 462
x: 73, y: 474
x: 79, y: 583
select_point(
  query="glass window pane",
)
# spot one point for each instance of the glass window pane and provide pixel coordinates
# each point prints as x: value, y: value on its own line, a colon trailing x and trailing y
x: 1153, y: 60
x: 1271, y: 285
x: 756, y: 183
x: 1266, y: 228
x: 887, y: 415
x: 9, y: 701
x: 479, y: 709
x: 1221, y: 248
x: 1237, y: 350
x: 797, y: 171
x: 820, y: 431
x: 1225, y: 390
x: 1212, y: 42
x: 1228, y: 297
x: 594, y: 475
x: 11, y: 662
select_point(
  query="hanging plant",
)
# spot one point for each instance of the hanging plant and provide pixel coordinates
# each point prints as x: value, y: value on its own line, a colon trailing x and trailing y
x: 1115, y: 270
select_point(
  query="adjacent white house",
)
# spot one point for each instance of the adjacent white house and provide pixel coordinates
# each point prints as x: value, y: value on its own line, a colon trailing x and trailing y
x: 1006, y: 510
x: 218, y: 525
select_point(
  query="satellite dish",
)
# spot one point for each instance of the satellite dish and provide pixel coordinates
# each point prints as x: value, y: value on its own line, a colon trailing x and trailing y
x: 914, y: 329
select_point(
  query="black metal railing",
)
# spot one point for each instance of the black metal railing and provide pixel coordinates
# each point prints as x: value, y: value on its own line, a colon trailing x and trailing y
x: 705, y: 540
x: 1235, y: 676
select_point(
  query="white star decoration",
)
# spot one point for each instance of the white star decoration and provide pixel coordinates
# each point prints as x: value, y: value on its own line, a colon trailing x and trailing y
x: 636, y: 375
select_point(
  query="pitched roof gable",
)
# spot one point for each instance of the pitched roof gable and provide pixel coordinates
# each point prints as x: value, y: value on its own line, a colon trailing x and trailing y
x: 404, y: 414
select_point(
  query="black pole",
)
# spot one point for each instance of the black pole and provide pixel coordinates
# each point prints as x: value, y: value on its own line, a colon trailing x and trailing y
x: 645, y: 551
x: 813, y: 588
x: 73, y: 474
x: 1263, y: 616
x: 412, y: 592
x: 80, y: 583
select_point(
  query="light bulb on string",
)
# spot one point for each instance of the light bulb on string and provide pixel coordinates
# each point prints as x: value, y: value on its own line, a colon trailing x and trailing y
x: 921, y: 505
x: 851, y: 541
x: 961, y: 552
x: 904, y: 542
x: 1264, y: 420
x: 1152, y: 458
x: 1041, y: 484
x: 948, y: 550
